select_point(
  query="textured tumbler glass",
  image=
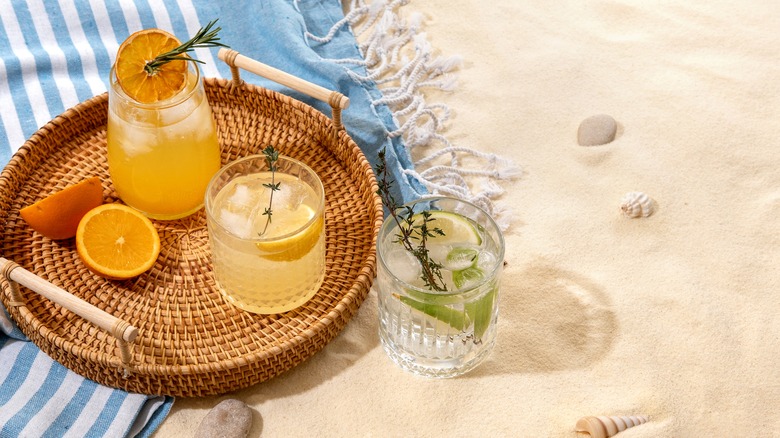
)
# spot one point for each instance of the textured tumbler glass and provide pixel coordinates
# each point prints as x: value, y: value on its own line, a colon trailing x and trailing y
x: 267, y: 263
x: 432, y: 332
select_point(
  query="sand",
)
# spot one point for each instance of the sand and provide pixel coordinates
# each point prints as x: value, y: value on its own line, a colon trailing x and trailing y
x: 673, y: 316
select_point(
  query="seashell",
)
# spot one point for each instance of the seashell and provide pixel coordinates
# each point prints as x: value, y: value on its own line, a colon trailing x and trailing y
x: 607, y: 426
x: 637, y: 204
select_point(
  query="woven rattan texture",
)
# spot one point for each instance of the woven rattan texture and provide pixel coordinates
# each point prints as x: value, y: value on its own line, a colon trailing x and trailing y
x: 191, y: 341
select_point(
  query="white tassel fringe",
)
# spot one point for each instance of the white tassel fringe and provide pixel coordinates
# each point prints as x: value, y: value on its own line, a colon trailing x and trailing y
x: 399, y: 58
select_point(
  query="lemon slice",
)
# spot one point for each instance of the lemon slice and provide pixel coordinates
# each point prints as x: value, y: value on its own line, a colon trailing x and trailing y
x: 297, y: 245
x: 456, y: 228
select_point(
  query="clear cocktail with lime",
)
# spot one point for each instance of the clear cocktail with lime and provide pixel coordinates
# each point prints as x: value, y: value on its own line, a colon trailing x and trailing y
x: 444, y: 324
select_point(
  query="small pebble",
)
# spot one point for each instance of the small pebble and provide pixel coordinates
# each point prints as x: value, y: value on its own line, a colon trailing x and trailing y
x: 229, y: 419
x: 597, y: 130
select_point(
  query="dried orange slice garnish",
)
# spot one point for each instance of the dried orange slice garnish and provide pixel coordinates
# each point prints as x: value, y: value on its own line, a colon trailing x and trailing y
x: 57, y: 216
x: 117, y: 242
x: 131, y: 73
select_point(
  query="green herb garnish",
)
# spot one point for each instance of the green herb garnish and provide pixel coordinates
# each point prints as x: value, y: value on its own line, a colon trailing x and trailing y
x: 409, y: 231
x: 204, y: 38
x: 271, y: 157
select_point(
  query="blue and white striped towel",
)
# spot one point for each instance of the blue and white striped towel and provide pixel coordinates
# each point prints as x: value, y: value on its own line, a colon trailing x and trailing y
x: 57, y: 53
x: 41, y: 398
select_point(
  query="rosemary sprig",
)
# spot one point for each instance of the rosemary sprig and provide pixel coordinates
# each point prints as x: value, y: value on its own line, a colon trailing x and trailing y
x: 204, y: 38
x: 408, y: 231
x: 271, y: 157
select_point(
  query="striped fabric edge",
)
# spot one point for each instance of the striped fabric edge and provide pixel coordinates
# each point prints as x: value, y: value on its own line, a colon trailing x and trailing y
x: 48, y: 44
x: 41, y: 398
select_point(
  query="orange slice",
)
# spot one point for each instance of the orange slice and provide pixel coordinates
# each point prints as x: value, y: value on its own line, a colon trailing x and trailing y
x: 57, y: 216
x: 131, y: 58
x: 117, y: 242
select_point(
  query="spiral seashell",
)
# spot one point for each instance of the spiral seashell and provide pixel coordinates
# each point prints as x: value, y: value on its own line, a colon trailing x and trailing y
x: 607, y: 426
x: 637, y: 204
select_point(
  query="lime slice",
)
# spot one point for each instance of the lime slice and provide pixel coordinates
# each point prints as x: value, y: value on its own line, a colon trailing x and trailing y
x: 460, y: 258
x: 457, y: 229
x: 445, y: 314
x: 466, y: 278
x: 481, y: 312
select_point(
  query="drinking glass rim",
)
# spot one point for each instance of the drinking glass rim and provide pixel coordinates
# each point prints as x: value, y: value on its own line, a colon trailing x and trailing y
x: 320, y: 189
x: 176, y: 99
x: 389, y: 223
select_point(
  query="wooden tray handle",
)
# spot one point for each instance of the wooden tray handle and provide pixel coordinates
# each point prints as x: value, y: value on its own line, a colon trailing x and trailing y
x: 120, y: 329
x: 336, y: 100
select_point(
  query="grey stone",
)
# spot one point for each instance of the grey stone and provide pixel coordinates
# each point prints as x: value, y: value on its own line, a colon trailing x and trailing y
x: 597, y: 130
x: 229, y: 419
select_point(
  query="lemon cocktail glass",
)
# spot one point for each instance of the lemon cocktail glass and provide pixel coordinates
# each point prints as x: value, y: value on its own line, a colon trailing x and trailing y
x: 267, y: 245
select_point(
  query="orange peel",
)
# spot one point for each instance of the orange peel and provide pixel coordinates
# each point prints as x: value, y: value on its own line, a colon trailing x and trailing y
x: 57, y: 216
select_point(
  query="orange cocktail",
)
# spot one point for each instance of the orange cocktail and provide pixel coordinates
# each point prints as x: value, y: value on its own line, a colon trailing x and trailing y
x: 161, y: 136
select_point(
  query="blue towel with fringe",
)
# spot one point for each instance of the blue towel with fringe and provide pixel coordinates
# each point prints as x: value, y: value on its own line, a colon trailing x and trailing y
x: 55, y: 54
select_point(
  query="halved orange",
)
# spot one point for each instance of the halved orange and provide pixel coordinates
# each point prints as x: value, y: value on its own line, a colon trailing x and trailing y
x: 57, y: 216
x: 117, y: 242
x: 131, y: 59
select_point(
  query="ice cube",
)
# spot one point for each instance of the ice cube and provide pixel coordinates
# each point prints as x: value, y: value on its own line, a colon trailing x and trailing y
x: 177, y: 113
x: 446, y: 277
x: 142, y: 143
x: 139, y: 117
x: 283, y: 195
x: 242, y: 198
x: 460, y: 258
x: 236, y: 223
x: 297, y: 194
x: 486, y: 261
x: 403, y: 264
x: 438, y: 253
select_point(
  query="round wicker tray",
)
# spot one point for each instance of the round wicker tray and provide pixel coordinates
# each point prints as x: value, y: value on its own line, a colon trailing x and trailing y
x: 190, y: 342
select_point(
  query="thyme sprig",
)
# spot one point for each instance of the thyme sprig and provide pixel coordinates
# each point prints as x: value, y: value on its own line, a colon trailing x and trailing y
x: 411, y: 230
x: 204, y: 38
x: 271, y: 157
